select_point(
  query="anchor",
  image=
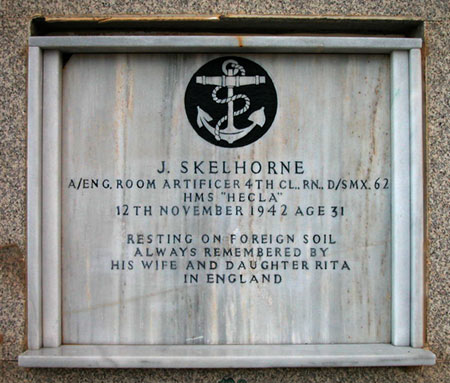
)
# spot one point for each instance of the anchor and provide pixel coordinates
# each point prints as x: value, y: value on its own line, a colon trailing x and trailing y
x: 231, y: 80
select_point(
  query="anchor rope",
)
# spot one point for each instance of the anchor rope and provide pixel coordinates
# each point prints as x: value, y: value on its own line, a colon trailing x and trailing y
x: 237, y: 68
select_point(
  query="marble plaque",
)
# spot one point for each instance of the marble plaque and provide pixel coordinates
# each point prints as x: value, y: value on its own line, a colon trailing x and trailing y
x: 226, y: 199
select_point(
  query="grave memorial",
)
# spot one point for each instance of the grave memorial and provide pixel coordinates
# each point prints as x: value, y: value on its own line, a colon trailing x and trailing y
x: 223, y: 201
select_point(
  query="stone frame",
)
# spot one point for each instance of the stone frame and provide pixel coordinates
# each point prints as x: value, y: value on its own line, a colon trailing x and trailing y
x: 44, y: 211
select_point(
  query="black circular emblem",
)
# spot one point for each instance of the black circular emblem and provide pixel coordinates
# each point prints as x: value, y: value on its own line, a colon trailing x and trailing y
x: 231, y: 102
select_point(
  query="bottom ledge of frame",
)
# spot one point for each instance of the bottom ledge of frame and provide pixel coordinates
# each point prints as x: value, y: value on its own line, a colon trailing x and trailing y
x: 226, y: 356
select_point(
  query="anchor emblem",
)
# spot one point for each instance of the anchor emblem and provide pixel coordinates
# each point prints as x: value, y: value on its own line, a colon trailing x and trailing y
x: 231, y: 101
x: 234, y: 76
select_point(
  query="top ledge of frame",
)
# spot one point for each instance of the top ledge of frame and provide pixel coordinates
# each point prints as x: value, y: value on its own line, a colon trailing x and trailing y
x: 221, y: 43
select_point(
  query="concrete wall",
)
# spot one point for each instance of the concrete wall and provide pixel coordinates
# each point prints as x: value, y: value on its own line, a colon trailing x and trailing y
x: 15, y: 19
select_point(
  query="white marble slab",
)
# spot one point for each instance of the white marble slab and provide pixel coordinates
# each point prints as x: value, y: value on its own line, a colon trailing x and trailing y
x: 226, y: 356
x: 124, y: 114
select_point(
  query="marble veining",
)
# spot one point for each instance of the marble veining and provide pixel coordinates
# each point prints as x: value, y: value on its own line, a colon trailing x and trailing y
x: 124, y: 114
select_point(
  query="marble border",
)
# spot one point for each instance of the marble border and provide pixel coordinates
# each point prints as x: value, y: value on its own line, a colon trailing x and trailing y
x: 400, y: 199
x: 44, y: 211
x: 261, y: 44
x: 34, y: 198
x: 229, y: 356
x: 51, y: 199
x: 417, y: 200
